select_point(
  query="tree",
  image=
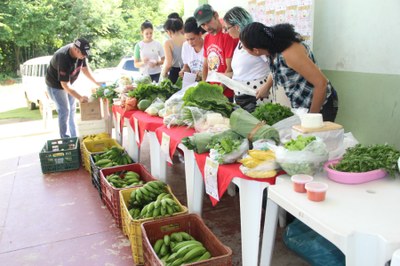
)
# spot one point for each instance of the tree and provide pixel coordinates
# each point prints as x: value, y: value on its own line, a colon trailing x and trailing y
x: 31, y: 28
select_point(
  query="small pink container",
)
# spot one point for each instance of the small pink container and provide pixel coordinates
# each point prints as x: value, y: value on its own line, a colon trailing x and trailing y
x: 316, y: 191
x: 299, y: 182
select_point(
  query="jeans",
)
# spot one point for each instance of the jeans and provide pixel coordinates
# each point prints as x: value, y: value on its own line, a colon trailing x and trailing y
x: 65, y: 105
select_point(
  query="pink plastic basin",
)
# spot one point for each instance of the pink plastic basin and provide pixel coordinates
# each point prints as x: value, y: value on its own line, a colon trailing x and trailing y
x: 352, y: 178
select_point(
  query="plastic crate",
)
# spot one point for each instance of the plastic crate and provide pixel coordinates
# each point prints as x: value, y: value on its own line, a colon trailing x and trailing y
x: 191, y: 224
x: 95, y: 173
x: 60, y: 155
x: 92, y: 146
x: 132, y: 228
x: 110, y: 194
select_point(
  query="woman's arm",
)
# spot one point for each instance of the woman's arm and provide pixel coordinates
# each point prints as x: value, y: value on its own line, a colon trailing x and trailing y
x: 263, y: 91
x: 168, y: 59
x: 205, y: 69
x: 139, y: 63
x: 296, y: 58
x: 185, y: 68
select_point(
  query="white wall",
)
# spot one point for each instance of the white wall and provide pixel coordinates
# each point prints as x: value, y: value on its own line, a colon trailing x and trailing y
x: 358, y: 35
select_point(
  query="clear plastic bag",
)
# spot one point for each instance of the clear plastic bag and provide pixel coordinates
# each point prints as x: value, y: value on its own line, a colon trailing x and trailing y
x: 155, y: 107
x: 230, y: 157
x: 333, y: 140
x: 307, y: 161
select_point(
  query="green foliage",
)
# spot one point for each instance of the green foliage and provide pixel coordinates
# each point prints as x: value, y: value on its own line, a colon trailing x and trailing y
x: 272, y: 113
x: 208, y: 97
x: 32, y: 28
x: 362, y: 158
x: 152, y: 91
x: 299, y: 143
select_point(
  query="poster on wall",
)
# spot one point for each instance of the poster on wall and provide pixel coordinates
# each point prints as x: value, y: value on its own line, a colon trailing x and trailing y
x: 296, y: 12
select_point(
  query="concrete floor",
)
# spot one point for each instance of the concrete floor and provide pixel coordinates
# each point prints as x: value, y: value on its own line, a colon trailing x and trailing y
x: 59, y: 219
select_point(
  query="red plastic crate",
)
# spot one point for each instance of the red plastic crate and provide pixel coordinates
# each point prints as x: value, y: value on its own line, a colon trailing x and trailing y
x: 111, y: 194
x: 191, y: 224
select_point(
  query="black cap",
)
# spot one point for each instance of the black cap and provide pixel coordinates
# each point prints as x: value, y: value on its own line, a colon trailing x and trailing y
x: 83, y: 45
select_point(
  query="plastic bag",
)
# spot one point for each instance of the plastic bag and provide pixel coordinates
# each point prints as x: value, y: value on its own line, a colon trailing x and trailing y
x: 284, y: 127
x: 311, y: 246
x: 333, y: 140
x: 230, y: 157
x: 203, y: 120
x: 307, y: 161
x: 155, y: 107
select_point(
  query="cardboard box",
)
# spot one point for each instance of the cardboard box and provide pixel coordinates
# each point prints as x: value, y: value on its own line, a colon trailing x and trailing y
x: 91, y: 110
x: 91, y: 127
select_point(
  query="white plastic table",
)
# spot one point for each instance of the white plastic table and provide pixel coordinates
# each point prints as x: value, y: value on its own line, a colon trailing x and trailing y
x: 362, y: 220
x: 133, y: 148
x: 251, y: 197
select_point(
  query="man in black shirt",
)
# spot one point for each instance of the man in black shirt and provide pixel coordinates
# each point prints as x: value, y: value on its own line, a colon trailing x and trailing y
x: 64, y: 68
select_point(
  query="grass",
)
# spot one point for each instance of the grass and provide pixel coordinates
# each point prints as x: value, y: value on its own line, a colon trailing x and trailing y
x: 22, y: 114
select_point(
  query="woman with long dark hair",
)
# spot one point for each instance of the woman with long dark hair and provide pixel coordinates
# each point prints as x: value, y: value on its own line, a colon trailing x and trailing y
x: 173, y: 49
x: 292, y: 66
x: 192, y: 49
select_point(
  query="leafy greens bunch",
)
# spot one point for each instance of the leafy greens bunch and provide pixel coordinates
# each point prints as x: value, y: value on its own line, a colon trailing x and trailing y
x: 299, y: 143
x: 152, y: 91
x: 362, y: 158
x: 208, y: 97
x: 272, y: 113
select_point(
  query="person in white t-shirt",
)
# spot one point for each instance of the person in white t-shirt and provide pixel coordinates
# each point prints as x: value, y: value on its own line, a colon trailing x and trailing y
x: 249, y: 70
x: 192, y: 49
x: 149, y: 54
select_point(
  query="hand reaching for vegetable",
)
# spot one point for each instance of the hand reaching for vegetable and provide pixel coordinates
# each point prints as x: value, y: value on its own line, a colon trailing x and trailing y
x: 262, y: 92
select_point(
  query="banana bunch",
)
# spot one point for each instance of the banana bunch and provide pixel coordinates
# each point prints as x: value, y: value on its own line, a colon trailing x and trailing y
x: 99, y: 136
x: 179, y: 248
x: 130, y: 178
x: 112, y: 157
x: 147, y: 193
x: 164, y: 205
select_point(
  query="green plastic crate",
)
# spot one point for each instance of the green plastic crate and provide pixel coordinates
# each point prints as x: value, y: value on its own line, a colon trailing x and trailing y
x: 60, y: 155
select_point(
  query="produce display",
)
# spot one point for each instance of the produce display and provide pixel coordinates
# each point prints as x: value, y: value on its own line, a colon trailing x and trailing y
x: 199, y: 142
x: 226, y: 150
x: 152, y: 200
x: 303, y: 155
x: 208, y: 97
x: 180, y: 248
x: 98, y: 136
x: 246, y: 125
x: 112, y: 157
x: 259, y: 164
x: 299, y: 143
x: 106, y: 92
x: 124, y: 179
x: 272, y: 113
x: 151, y: 91
x: 361, y: 158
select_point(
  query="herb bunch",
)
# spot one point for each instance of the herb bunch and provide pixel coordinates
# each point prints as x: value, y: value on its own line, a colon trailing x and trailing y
x: 362, y: 158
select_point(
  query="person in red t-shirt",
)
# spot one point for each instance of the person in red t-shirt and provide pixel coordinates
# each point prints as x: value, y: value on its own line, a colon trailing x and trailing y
x: 218, y: 45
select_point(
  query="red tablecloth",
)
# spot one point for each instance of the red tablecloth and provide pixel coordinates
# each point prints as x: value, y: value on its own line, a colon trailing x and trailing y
x: 176, y: 135
x: 145, y: 122
x: 124, y: 114
x: 226, y: 172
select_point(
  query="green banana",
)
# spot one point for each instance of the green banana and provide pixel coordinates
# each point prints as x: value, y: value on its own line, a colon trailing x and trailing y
x: 193, y: 253
x: 157, y: 246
